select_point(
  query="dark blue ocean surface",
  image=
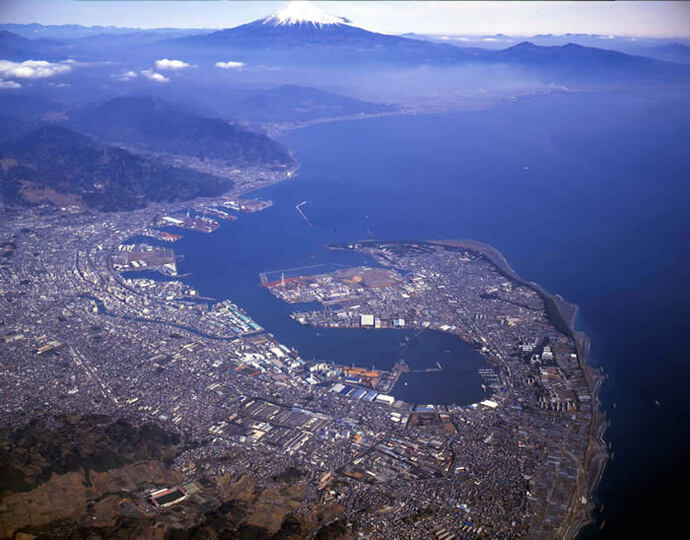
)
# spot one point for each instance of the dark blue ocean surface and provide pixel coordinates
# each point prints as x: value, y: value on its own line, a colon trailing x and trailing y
x: 587, y: 195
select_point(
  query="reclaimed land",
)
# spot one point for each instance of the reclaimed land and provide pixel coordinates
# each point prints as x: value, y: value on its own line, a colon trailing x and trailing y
x: 563, y: 315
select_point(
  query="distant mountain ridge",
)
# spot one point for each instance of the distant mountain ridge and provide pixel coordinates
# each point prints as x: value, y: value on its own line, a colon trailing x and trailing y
x: 297, y: 34
x: 71, y: 31
x: 528, y: 51
x: 577, y: 58
x: 295, y: 104
x: 670, y: 52
x: 16, y: 47
x: 12, y: 45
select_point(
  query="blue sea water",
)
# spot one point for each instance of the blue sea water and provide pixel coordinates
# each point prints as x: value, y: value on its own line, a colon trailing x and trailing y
x: 587, y: 195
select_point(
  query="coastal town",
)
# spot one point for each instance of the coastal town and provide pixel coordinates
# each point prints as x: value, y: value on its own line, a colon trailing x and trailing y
x: 87, y: 328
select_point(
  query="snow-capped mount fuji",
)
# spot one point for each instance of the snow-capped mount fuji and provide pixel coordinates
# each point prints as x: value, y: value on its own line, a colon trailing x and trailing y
x: 304, y: 27
x: 302, y: 12
x: 302, y: 33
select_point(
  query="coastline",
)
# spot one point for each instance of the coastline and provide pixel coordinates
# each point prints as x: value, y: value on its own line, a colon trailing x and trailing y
x: 578, y: 515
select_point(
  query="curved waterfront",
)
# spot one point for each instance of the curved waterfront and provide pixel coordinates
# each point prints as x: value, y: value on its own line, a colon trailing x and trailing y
x: 546, y: 221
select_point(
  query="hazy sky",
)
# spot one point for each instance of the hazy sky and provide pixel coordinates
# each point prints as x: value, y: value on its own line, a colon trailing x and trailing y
x: 518, y: 18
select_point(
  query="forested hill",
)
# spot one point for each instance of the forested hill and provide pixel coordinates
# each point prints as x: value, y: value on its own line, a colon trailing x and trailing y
x: 50, y: 163
x: 158, y: 126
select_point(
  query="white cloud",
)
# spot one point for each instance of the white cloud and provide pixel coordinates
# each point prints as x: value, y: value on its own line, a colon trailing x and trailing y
x: 9, y: 85
x: 33, y: 69
x: 154, y: 76
x: 164, y: 63
x: 125, y: 76
x: 230, y: 65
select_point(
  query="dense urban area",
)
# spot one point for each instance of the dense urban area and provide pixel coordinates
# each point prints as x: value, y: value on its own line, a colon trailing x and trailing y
x: 85, y: 331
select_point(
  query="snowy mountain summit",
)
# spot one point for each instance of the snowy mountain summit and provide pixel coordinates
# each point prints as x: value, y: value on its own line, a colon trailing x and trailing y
x: 302, y: 12
x: 311, y: 34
